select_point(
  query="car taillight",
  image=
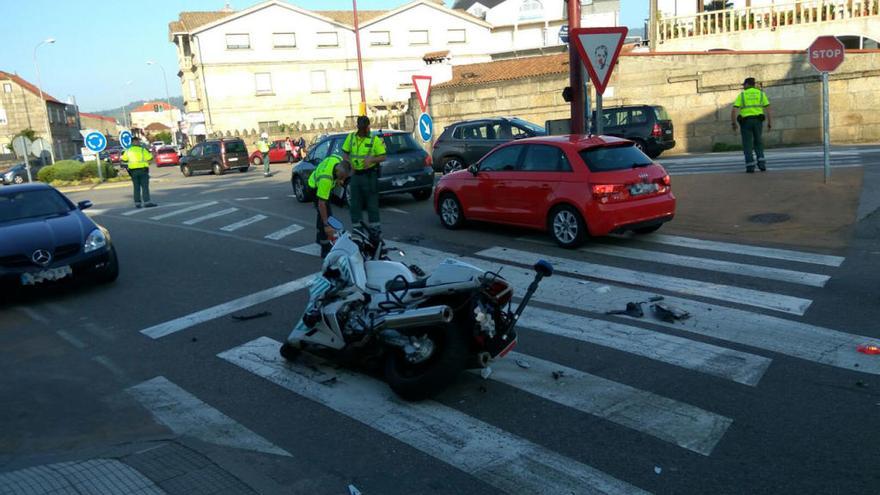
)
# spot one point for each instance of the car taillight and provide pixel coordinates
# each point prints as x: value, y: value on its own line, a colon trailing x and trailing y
x: 666, y: 180
x: 656, y: 132
x: 610, y: 193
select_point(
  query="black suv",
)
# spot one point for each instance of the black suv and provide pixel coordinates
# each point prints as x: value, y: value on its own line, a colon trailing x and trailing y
x: 406, y: 169
x: 216, y: 156
x: 648, y: 126
x: 464, y: 143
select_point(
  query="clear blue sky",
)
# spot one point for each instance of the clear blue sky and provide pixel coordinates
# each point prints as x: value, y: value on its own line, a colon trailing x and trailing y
x: 102, y: 44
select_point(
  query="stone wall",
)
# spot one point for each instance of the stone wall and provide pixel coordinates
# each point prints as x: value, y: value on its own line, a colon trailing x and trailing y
x: 697, y: 90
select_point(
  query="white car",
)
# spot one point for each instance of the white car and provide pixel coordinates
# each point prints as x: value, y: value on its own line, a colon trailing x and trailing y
x: 155, y: 145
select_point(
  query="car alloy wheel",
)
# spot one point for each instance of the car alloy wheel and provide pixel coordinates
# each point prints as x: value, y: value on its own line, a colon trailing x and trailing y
x: 451, y: 165
x: 299, y: 189
x: 258, y: 161
x: 450, y: 212
x: 18, y: 179
x: 347, y: 192
x: 186, y: 171
x: 217, y: 169
x: 565, y: 227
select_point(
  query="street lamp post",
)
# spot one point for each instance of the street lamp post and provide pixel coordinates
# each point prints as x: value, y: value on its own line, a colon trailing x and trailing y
x: 47, y: 41
x: 168, y: 101
x: 125, y: 122
x: 362, y: 109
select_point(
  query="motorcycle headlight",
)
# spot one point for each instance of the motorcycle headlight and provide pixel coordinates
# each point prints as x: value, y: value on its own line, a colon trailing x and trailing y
x: 9, y: 175
x: 95, y: 240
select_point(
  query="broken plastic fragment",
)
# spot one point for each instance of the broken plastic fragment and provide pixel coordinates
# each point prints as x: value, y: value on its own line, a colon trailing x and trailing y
x: 633, y: 309
x: 871, y: 349
x: 352, y: 490
x: 669, y: 314
x: 602, y: 289
x: 522, y: 363
x: 558, y: 374
x: 658, y: 470
x: 486, y: 372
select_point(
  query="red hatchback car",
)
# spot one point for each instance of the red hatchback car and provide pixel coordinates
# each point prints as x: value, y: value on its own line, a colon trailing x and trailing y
x: 572, y: 186
x: 167, y: 156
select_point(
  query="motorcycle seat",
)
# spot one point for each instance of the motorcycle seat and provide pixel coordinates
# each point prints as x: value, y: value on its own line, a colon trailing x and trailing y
x: 397, y: 284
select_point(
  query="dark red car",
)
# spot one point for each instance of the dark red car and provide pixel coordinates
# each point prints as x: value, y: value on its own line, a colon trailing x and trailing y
x: 572, y: 186
x: 167, y: 156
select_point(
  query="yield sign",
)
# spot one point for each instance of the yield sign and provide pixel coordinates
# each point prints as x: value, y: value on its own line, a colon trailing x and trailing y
x: 598, y: 49
x: 423, y: 90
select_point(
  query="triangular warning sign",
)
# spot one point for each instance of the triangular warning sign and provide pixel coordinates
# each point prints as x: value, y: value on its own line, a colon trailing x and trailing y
x: 598, y: 49
x: 423, y: 90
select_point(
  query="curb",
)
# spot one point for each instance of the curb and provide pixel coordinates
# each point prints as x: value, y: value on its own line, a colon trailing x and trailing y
x: 112, y: 185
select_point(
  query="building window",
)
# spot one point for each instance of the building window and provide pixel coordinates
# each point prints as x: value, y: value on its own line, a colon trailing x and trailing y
x: 380, y: 38
x: 238, y: 41
x: 193, y: 93
x: 284, y: 40
x: 319, y: 81
x: 7, y: 87
x: 270, y: 127
x: 457, y: 36
x: 328, y: 39
x: 263, y: 82
x: 3, y: 119
x: 418, y: 37
x: 531, y: 9
x: 352, y: 82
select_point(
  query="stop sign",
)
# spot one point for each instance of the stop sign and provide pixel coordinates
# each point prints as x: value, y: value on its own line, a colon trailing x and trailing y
x: 826, y: 53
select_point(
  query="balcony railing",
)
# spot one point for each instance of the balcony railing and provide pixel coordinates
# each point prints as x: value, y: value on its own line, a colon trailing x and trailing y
x: 764, y: 17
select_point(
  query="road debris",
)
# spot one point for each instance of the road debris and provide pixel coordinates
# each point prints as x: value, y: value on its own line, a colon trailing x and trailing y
x: 633, y: 309
x: 329, y: 381
x: 261, y: 314
x: 870, y: 349
x: 558, y: 374
x: 669, y: 314
x: 602, y: 289
x: 486, y: 372
x: 352, y: 490
x: 658, y: 470
x: 522, y: 363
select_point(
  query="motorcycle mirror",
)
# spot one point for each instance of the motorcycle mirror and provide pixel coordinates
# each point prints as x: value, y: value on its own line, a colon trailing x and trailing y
x: 82, y: 205
x: 544, y: 268
x: 474, y: 170
x: 335, y: 223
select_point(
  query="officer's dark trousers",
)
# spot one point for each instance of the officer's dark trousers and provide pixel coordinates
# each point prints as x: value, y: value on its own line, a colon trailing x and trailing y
x: 752, y: 129
x: 365, y: 195
x: 140, y: 180
x: 321, y: 236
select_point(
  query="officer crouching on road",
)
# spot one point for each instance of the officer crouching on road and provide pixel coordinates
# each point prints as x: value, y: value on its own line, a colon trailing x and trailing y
x: 753, y: 107
x: 138, y: 160
x: 365, y: 152
x: 331, y: 172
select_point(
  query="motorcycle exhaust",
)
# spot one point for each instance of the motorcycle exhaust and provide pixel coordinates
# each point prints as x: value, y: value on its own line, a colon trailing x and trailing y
x: 419, y: 317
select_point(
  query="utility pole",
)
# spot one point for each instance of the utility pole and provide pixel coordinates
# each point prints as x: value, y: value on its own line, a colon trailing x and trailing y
x: 574, y: 71
x: 168, y: 101
x: 47, y: 41
x: 653, y: 26
x: 362, y: 108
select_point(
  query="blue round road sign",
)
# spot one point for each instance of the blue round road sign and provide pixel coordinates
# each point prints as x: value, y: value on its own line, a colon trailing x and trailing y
x: 95, y: 141
x: 426, y: 127
x: 125, y: 139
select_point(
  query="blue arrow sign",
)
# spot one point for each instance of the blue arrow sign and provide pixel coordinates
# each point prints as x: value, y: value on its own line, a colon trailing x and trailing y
x: 95, y: 142
x: 125, y: 139
x: 426, y: 127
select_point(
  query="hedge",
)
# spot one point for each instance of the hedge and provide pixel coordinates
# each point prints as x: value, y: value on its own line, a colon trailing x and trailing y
x: 71, y: 170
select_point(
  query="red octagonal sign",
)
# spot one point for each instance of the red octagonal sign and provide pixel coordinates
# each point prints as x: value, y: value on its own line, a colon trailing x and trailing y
x: 826, y: 53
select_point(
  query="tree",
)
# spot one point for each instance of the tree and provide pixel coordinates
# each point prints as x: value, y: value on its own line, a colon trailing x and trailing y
x: 28, y: 133
x: 163, y: 136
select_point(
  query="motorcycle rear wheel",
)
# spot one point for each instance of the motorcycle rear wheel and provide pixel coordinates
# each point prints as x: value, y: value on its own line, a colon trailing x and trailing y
x: 424, y: 380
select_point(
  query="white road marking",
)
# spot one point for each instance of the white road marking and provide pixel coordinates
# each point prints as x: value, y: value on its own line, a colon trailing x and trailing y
x: 791, y: 338
x: 70, y: 339
x: 717, y: 361
x: 675, y: 422
x: 184, y: 322
x: 252, y: 199
x: 111, y: 366
x: 311, y: 249
x: 183, y: 210
x: 750, y: 297
x: 185, y: 414
x: 33, y: 315
x: 209, y: 216
x: 396, y: 210
x: 757, y: 271
x: 244, y: 223
x: 286, y: 231
x: 499, y: 458
x: 758, y: 251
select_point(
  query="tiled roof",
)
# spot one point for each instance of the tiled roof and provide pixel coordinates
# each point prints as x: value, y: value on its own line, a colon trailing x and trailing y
x: 26, y: 85
x: 347, y: 17
x: 190, y: 21
x: 156, y: 126
x: 148, y: 106
x: 96, y: 116
x: 505, y: 70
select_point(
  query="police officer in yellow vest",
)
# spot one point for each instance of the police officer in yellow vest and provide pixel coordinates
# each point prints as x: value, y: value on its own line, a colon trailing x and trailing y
x: 138, y: 159
x: 365, y: 152
x: 263, y: 146
x: 753, y: 108
x: 331, y: 172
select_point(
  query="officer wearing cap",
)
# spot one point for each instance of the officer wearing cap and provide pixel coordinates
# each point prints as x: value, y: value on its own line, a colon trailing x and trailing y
x: 750, y: 109
x: 365, y: 152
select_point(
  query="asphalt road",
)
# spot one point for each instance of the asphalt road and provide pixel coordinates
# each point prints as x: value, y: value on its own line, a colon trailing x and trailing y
x: 761, y: 391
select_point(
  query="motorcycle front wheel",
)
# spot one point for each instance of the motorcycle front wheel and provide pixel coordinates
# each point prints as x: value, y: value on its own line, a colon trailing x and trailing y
x: 423, y: 380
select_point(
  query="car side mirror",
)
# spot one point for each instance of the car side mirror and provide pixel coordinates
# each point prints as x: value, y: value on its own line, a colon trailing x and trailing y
x: 473, y: 170
x: 82, y: 205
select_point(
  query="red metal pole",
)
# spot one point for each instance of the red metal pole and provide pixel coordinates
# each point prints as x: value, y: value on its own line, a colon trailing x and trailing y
x: 574, y: 67
x: 362, y: 108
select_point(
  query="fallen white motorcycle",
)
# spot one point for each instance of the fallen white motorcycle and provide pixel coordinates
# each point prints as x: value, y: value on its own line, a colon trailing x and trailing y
x: 366, y: 310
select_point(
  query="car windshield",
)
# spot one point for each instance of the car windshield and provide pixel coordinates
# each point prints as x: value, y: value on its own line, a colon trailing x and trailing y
x: 661, y: 114
x: 399, y: 143
x: 534, y: 128
x: 235, y: 147
x: 609, y: 158
x: 32, y: 204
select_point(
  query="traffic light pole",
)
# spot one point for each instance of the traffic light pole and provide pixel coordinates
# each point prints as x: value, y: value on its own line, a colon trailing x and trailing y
x: 575, y: 71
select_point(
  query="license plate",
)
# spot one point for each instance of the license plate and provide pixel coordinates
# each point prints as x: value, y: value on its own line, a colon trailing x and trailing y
x: 638, y: 189
x: 233, y: 159
x: 42, y: 276
x: 399, y: 182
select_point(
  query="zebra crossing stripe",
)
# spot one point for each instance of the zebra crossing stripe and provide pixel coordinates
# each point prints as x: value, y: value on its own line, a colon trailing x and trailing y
x: 209, y: 216
x: 675, y: 422
x: 244, y: 223
x: 286, y: 231
x: 185, y: 414
x: 757, y: 251
x: 183, y: 210
x: 499, y: 458
x: 738, y: 295
x: 721, y: 362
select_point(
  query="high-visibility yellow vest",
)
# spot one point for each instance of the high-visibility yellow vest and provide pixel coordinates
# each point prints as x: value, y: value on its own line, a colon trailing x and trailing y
x: 359, y: 148
x: 137, y: 157
x: 322, y: 179
x: 263, y: 146
x: 751, y: 102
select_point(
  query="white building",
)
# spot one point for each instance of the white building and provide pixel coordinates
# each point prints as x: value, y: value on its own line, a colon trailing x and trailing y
x: 155, y: 112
